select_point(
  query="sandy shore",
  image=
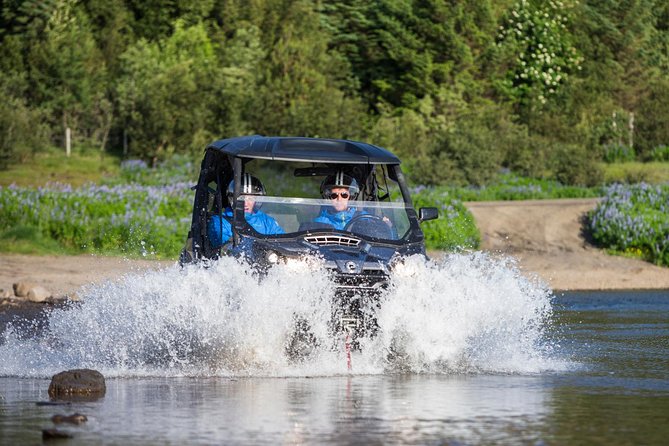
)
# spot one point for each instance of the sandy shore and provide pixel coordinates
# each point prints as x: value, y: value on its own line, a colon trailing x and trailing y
x: 545, y: 236
x: 63, y: 275
x: 548, y: 239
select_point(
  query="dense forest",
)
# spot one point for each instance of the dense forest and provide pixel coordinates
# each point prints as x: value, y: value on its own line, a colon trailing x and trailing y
x: 458, y: 89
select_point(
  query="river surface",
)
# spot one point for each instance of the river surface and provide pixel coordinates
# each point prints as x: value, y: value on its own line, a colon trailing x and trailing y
x: 488, y: 358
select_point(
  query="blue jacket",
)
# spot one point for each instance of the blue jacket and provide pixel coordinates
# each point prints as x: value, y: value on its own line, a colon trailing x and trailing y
x: 220, y: 230
x: 337, y: 219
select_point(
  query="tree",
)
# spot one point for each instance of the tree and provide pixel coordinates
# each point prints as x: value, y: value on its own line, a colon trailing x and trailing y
x: 404, y: 50
x: 164, y: 92
x: 22, y: 132
x: 536, y: 47
x: 302, y: 84
x: 67, y: 76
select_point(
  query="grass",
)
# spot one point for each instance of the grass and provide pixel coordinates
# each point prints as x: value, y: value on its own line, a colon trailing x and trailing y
x: 509, y: 186
x: 54, y: 166
x: 29, y: 240
x: 635, y: 172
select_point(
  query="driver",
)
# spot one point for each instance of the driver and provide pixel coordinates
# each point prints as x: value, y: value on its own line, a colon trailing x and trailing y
x: 219, y: 228
x: 339, y: 189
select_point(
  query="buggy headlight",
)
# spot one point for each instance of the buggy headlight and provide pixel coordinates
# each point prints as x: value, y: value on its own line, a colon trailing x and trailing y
x: 273, y: 257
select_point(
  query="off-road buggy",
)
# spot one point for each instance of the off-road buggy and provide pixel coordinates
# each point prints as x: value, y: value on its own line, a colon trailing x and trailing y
x: 360, y: 256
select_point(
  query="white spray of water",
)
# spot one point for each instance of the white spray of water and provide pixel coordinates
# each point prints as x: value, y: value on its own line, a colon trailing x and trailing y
x: 462, y: 314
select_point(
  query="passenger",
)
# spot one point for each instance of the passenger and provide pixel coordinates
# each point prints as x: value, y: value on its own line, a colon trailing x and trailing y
x: 339, y: 188
x: 219, y: 228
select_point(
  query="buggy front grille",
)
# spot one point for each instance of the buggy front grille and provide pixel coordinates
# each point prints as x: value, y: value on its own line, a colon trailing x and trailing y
x: 332, y: 240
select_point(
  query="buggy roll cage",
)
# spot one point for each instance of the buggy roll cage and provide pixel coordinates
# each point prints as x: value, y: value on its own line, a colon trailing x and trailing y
x: 225, y: 159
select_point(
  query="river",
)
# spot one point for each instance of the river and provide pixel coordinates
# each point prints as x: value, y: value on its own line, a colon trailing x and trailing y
x: 489, y: 358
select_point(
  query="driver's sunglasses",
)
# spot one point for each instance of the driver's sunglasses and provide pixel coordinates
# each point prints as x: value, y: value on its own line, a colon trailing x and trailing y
x: 335, y: 195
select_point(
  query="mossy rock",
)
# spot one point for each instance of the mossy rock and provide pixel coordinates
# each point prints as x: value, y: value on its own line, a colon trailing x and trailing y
x: 78, y: 383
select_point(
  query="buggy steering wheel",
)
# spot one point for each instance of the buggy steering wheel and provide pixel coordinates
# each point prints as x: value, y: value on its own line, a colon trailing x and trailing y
x: 370, y: 225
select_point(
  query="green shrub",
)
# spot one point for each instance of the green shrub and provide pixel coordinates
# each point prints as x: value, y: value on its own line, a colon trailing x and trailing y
x: 617, y: 153
x: 652, y: 118
x: 660, y: 153
x: 573, y: 165
x: 455, y: 228
x: 636, y: 172
x: 22, y: 131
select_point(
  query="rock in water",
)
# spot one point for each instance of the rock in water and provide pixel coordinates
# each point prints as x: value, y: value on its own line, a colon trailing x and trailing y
x: 21, y: 288
x: 54, y: 434
x: 78, y: 383
x: 31, y: 292
x: 75, y: 418
x: 38, y: 294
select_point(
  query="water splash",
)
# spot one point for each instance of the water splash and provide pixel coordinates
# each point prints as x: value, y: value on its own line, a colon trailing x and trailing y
x: 466, y: 313
x: 463, y: 314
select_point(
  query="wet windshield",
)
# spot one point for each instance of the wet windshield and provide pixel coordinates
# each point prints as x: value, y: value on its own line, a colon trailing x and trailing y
x: 381, y: 220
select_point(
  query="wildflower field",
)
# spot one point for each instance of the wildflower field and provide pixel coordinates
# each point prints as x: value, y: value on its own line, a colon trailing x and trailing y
x: 634, y: 220
x: 130, y: 219
x: 146, y: 212
x: 142, y: 212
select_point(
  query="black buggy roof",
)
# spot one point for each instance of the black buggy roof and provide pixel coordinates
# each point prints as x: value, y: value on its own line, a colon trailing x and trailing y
x: 304, y: 149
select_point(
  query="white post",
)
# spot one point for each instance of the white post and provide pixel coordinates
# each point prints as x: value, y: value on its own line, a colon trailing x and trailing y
x: 68, y: 141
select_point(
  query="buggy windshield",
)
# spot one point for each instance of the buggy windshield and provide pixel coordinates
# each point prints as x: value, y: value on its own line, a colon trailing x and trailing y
x: 369, y: 219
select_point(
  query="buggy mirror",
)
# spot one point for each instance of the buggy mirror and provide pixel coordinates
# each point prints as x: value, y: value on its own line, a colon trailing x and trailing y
x: 425, y: 214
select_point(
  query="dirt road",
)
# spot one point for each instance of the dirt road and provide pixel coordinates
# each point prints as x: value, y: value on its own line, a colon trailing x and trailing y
x: 544, y: 235
x: 547, y: 238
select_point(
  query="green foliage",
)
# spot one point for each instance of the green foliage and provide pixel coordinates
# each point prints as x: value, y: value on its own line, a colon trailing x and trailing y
x: 22, y: 132
x: 573, y: 165
x: 633, y: 220
x: 67, y: 77
x: 636, y: 172
x: 623, y: 58
x: 659, y: 153
x: 402, y: 50
x: 539, y: 50
x: 458, y: 89
x: 507, y: 186
x: 408, y: 134
x: 653, y: 118
x: 455, y: 229
x: 470, y: 149
x: 165, y: 92
x: 302, y: 89
x: 618, y: 154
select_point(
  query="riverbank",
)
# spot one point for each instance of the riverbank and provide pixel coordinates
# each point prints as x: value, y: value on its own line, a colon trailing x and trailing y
x: 549, y: 240
x: 64, y: 275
